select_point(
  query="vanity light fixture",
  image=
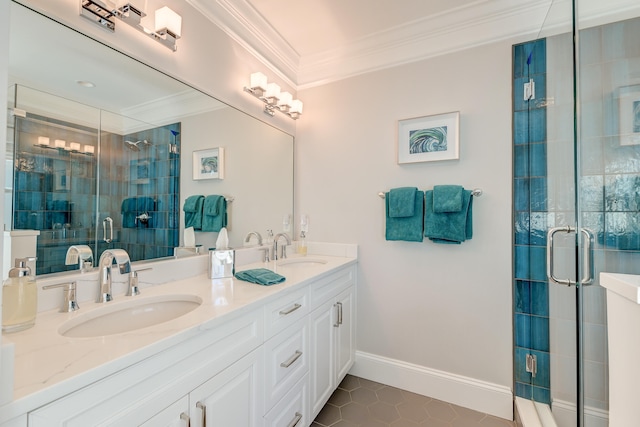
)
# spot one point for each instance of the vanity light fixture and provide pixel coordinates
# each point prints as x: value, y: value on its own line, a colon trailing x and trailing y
x: 60, y: 143
x: 89, y: 150
x: 274, y: 100
x: 43, y: 141
x: 168, y: 24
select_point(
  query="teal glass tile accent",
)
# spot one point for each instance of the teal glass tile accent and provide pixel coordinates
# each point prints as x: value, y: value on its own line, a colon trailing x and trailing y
x: 542, y: 394
x: 540, y: 224
x: 538, y: 155
x: 524, y: 390
x: 522, y: 228
x: 521, y: 127
x: 522, y: 297
x: 539, y: 333
x: 538, y: 263
x: 538, y: 57
x: 521, y: 161
x: 539, y: 298
x: 522, y: 326
x: 522, y: 268
x: 531, y: 221
x: 538, y: 194
x: 537, y: 130
x: 520, y: 54
x: 521, y: 194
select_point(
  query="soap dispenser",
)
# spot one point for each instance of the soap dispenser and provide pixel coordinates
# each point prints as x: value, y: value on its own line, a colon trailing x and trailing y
x: 19, y: 298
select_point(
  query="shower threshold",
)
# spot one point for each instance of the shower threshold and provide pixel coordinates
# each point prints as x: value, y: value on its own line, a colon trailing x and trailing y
x: 534, y: 414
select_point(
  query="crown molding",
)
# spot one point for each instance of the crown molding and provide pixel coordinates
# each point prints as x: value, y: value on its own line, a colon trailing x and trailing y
x: 242, y: 23
x: 476, y: 24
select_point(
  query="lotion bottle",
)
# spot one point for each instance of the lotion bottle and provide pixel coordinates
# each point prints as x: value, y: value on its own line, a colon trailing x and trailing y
x: 19, y: 298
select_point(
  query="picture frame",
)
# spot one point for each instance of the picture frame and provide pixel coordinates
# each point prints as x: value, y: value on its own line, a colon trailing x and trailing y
x: 208, y: 164
x: 140, y: 171
x: 629, y: 114
x: 429, y: 138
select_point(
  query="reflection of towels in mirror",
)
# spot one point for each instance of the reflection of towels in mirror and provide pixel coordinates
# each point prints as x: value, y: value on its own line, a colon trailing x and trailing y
x: 133, y: 207
x: 448, y: 227
x: 214, y: 213
x: 407, y: 227
x: 193, y: 211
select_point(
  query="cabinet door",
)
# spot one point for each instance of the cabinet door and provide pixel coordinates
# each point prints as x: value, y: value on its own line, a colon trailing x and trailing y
x: 321, y: 375
x: 345, y: 334
x: 231, y: 398
x: 175, y: 415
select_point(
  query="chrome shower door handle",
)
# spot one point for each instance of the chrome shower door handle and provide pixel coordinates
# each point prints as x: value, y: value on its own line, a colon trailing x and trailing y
x: 107, y: 221
x: 588, y: 257
x: 550, y: 268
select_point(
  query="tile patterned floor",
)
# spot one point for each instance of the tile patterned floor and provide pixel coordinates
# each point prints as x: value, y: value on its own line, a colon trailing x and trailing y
x: 362, y: 403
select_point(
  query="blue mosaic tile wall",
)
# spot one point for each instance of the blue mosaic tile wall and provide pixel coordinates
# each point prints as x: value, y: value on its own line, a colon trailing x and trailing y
x: 56, y: 191
x: 531, y: 293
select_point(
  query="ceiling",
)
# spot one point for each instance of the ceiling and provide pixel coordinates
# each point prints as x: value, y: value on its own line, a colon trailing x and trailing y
x: 314, y: 42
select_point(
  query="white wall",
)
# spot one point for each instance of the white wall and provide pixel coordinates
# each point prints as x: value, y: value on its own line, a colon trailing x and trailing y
x: 441, y: 307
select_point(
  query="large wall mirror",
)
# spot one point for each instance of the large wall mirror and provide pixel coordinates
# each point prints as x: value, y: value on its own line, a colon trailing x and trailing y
x: 101, y: 151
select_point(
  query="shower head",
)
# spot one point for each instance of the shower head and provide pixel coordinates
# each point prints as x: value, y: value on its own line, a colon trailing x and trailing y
x: 134, y: 145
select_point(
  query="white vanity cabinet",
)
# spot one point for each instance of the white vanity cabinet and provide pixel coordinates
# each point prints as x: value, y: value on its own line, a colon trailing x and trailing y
x: 272, y: 364
x: 332, y: 333
x: 145, y: 390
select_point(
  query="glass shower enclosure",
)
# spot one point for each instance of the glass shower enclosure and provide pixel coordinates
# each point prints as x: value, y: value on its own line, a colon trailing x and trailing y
x: 576, y: 201
x: 85, y: 176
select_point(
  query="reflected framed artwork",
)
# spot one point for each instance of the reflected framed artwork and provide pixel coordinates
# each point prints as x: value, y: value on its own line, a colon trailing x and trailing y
x: 629, y: 114
x: 429, y: 138
x: 208, y: 164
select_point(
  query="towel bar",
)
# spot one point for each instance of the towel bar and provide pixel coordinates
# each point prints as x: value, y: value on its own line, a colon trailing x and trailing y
x: 477, y: 192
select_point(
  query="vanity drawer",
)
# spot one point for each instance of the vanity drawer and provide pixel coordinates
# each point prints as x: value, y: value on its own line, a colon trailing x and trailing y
x: 286, y: 361
x: 293, y: 408
x: 330, y: 286
x: 286, y: 311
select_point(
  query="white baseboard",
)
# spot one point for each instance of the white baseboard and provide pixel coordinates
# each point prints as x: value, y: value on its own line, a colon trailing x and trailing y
x: 468, y: 392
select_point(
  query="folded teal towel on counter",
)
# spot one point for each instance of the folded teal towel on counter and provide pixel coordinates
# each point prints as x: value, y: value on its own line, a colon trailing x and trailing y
x: 402, y: 202
x: 214, y: 213
x: 407, y: 228
x: 193, y: 212
x: 453, y: 227
x: 447, y: 198
x: 261, y: 276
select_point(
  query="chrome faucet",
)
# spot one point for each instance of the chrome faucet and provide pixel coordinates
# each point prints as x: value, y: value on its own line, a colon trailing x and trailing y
x: 253, y: 233
x: 107, y: 259
x: 81, y: 255
x: 284, y: 247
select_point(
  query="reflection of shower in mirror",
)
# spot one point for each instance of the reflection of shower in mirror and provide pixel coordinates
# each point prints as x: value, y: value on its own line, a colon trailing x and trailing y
x: 133, y: 146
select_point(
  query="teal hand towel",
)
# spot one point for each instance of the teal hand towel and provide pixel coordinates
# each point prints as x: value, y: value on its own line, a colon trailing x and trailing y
x: 214, y: 213
x: 402, y: 202
x: 193, y: 212
x: 406, y: 228
x: 447, y: 198
x: 261, y: 276
x: 454, y: 227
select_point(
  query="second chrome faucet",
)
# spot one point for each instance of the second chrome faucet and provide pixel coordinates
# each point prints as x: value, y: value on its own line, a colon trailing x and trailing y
x: 119, y: 257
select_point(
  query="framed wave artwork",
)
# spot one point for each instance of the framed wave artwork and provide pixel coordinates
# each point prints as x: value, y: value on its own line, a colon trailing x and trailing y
x: 208, y: 164
x: 429, y: 138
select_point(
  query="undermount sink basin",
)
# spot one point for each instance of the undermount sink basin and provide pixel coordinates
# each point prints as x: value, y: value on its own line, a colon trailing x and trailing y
x: 301, y: 262
x: 138, y: 313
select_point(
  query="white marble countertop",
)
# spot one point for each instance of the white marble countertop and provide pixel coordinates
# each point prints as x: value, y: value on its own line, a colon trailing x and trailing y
x: 49, y: 365
x: 626, y: 285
